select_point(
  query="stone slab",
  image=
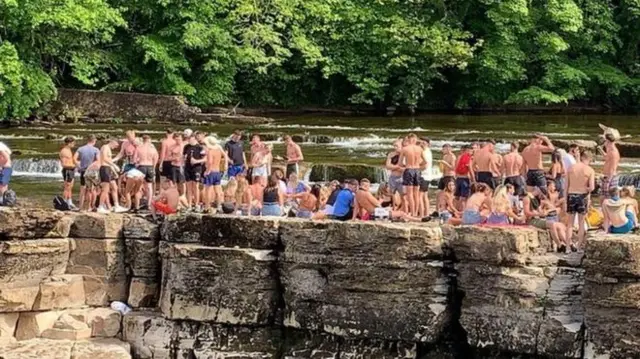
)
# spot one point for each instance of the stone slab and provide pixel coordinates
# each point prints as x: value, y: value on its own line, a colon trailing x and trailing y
x: 18, y: 296
x: 101, y: 349
x: 8, y: 324
x: 135, y: 227
x: 32, y: 324
x: 100, y: 291
x: 99, y: 226
x: 32, y: 259
x: 610, y: 255
x: 143, y: 293
x: 33, y: 224
x: 149, y: 334
x: 60, y: 292
x: 142, y: 258
x: 38, y: 348
x: 105, y: 257
x: 104, y: 322
x: 221, y: 285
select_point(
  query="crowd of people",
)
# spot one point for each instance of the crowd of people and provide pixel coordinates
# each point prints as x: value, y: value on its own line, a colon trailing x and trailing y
x: 478, y: 186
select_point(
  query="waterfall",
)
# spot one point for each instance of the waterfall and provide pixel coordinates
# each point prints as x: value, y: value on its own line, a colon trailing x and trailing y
x: 37, y: 167
x: 629, y: 179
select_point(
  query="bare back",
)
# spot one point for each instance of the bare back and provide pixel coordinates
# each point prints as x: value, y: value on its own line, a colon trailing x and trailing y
x: 532, y: 157
x: 580, y: 179
x: 147, y: 154
x: 293, y: 152
x: 611, y: 161
x: 512, y: 164
x: 66, y: 158
x: 105, y: 156
x: 482, y: 160
x: 367, y: 201
x: 475, y: 202
x: 165, y: 146
x: 413, y: 156
x: 214, y: 156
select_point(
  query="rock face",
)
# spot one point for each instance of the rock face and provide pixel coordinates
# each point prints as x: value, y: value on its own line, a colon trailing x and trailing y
x: 220, y: 286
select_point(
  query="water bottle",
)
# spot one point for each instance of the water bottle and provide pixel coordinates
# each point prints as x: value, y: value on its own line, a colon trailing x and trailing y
x: 120, y: 307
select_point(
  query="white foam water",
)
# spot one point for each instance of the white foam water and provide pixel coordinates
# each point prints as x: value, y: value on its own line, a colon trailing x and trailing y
x: 349, y: 128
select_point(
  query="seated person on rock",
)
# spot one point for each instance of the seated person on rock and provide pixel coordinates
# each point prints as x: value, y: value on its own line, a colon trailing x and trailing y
x: 244, y: 197
x: 629, y: 193
x: 229, y: 202
x: 478, y: 206
x: 501, y: 209
x: 617, y: 219
x: 536, y: 213
x: 168, y: 200
x: 444, y: 202
x: 366, y: 204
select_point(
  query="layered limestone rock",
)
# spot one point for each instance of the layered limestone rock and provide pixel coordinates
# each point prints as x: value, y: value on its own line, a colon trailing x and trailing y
x: 612, y: 296
x: 66, y: 349
x: 33, y: 224
x: 518, y: 298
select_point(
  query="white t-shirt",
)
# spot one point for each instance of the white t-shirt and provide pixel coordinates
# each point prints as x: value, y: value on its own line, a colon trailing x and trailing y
x: 567, y: 160
x: 134, y: 173
x: 427, y: 174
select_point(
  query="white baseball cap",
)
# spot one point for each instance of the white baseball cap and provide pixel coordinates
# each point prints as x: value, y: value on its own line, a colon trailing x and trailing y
x: 187, y: 133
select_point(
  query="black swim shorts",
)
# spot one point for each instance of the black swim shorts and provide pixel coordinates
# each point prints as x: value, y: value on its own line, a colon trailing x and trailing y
x: 463, y: 187
x: 577, y: 203
x: 193, y: 173
x: 149, y: 173
x: 411, y: 177
x: 105, y: 174
x: 68, y: 174
x: 177, y: 174
x: 424, y: 185
x: 165, y: 169
x: 488, y: 179
x: 518, y: 185
x: 536, y: 178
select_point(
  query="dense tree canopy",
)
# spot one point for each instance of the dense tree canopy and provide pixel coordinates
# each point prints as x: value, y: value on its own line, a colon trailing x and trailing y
x: 417, y: 53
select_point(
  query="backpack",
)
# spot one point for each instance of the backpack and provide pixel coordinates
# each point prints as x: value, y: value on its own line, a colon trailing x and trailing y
x: 9, y: 198
x: 60, y: 204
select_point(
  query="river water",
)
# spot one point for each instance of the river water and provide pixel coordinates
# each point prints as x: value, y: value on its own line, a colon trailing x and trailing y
x: 333, y: 146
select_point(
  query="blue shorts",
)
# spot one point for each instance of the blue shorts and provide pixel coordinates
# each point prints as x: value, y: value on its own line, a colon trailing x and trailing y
x: 235, y: 170
x: 627, y: 228
x: 463, y: 187
x: 212, y: 179
x: 471, y: 217
x: 5, y: 176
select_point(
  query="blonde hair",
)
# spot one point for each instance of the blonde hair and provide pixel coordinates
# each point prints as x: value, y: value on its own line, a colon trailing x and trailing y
x: 383, y: 190
x: 628, y: 191
x: 500, y: 202
x: 243, y: 184
x: 231, y: 189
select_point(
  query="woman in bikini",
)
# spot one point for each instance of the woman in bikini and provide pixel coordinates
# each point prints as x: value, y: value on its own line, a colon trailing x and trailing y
x: 478, y: 205
x: 501, y: 209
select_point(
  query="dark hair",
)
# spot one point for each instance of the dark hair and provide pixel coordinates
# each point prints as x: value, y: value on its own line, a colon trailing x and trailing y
x: 364, y: 180
x: 146, y: 137
x: 586, y: 154
x: 572, y: 147
x: 272, y: 182
x: 177, y: 135
x: 556, y: 157
x: 237, y: 132
x: 478, y: 187
x: 315, y: 190
x: 91, y: 138
x: 425, y: 139
x: 550, y: 182
x: 614, y: 191
x: 509, y: 186
x: 446, y: 183
x: 170, y: 130
x: 352, y: 182
x: 515, y: 144
x: 68, y: 140
x: 278, y: 171
x: 255, y: 135
x: 286, y: 137
x: 610, y: 137
x: 490, y: 141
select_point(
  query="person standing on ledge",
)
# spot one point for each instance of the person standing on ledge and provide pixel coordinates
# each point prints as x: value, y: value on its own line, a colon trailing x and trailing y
x: 68, y: 163
x: 486, y: 163
x: 165, y: 162
x: 294, y: 156
x: 411, y: 156
x: 610, y: 168
x: 396, y: 169
x: 147, y: 159
x: 532, y: 156
x: 108, y: 182
x: 580, y: 183
x: 512, y: 165
x: 84, y: 157
x: 235, y: 153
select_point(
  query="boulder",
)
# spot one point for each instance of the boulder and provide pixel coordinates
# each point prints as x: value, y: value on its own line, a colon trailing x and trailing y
x: 363, y: 280
x: 60, y: 292
x: 8, y: 324
x: 104, y: 257
x: 611, y: 255
x: 149, y: 334
x: 67, y: 328
x: 100, y: 291
x: 32, y: 324
x: 99, y: 226
x: 222, y: 231
x: 135, y: 227
x: 142, y: 257
x: 221, y: 285
x: 37, y: 348
x: 143, y: 293
x: 32, y: 259
x: 18, y: 296
x: 101, y: 349
x: 104, y: 322
x: 33, y: 224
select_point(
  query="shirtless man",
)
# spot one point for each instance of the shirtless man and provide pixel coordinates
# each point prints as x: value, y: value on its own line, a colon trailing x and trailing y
x: 580, y: 184
x: 68, y: 163
x: 411, y: 156
x: 176, y: 156
x: 294, y: 156
x: 5, y: 170
x: 147, y: 159
x: 168, y: 201
x: 365, y: 204
x: 165, y: 162
x: 532, y: 157
x: 395, y: 176
x: 212, y: 175
x: 258, y: 165
x: 448, y: 166
x: 512, y: 166
x: 610, y: 168
x: 127, y: 152
x: 487, y: 165
x: 464, y: 176
x: 108, y: 182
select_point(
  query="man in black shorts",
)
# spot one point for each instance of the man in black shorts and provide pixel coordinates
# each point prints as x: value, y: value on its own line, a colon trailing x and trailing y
x: 194, y: 154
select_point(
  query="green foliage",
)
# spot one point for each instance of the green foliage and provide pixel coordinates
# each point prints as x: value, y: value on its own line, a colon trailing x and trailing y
x: 287, y: 53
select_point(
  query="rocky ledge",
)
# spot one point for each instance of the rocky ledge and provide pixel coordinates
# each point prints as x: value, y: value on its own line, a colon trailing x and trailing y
x: 218, y: 287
